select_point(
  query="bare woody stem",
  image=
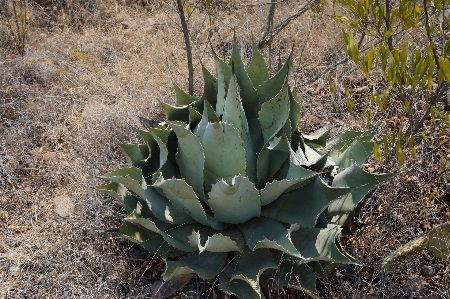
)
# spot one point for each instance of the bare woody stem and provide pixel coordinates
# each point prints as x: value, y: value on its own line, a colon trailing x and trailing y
x: 187, y: 41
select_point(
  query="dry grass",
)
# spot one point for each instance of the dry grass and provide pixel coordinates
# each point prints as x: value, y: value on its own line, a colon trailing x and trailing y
x: 67, y: 105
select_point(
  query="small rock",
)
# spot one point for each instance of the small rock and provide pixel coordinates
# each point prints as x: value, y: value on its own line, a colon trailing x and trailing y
x: 64, y: 206
x: 428, y: 271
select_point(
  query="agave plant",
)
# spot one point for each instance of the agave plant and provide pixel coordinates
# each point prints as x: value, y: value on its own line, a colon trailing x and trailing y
x: 229, y: 189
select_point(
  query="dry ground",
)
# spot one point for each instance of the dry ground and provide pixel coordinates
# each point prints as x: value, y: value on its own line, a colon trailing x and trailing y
x: 67, y: 105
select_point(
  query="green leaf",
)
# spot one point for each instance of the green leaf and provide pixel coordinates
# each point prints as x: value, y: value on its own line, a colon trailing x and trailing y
x: 237, y: 287
x: 357, y: 153
x: 295, y: 109
x: 439, y: 241
x: 291, y: 275
x: 262, y: 232
x: 270, y: 88
x: 183, y: 98
x: 271, y: 158
x: 210, y: 89
x: 313, y: 198
x: 176, y: 113
x: 220, y: 242
x: 223, y: 77
x: 257, y: 69
x: 274, y: 189
x: 183, y: 197
x: 249, y: 95
x: 116, y: 190
x: 206, y: 265
x: 151, y: 242
x: 341, y: 211
x: 274, y: 113
x: 136, y: 153
x: 317, y: 139
x: 339, y: 144
x: 219, y: 140
x: 235, y: 202
x: 234, y: 114
x: 190, y: 158
x: 130, y: 177
x: 250, y: 265
x: 411, y: 248
x: 323, y: 245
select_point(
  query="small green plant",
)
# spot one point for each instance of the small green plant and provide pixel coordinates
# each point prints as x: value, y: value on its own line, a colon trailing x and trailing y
x: 402, y: 49
x: 437, y: 241
x: 230, y: 187
x: 14, y: 15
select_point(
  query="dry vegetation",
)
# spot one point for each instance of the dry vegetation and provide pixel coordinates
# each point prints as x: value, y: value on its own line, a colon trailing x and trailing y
x: 75, y: 96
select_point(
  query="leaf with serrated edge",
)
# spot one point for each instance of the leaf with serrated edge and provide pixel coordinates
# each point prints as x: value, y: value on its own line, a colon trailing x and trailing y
x: 183, y: 197
x: 249, y: 265
x: 190, y: 158
x: 215, y: 243
x: 357, y: 153
x: 114, y: 189
x: 130, y: 177
x: 323, y: 248
x: 341, y: 210
x: 224, y: 153
x: 249, y: 95
x: 257, y: 69
x: 290, y: 275
x: 339, y: 144
x: 134, y: 153
x: 222, y: 87
x: 180, y: 113
x: 313, y: 198
x: 274, y: 113
x: 411, y: 248
x: 236, y: 202
x: 183, y: 98
x: 209, y: 89
x: 270, y: 88
x: 274, y: 189
x: 271, y: 158
x: 235, y: 115
x: 206, y: 265
x: 264, y: 232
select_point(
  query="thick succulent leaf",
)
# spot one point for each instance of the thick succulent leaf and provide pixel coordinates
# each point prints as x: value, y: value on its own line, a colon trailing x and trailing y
x: 319, y: 139
x: 116, y: 190
x: 316, y: 244
x: 249, y: 265
x: 161, y: 137
x: 190, y: 158
x: 237, y: 287
x: 136, y: 153
x: 130, y: 177
x: 341, y: 211
x: 312, y: 198
x: 194, y: 116
x: 206, y: 264
x: 274, y: 113
x: 183, y: 98
x: 295, y: 109
x: 180, y: 113
x: 271, y: 158
x: 159, y: 206
x: 235, y: 115
x: 223, y: 78
x: 439, y: 241
x: 209, y: 90
x: 274, y: 189
x: 357, y: 153
x: 219, y: 242
x: 270, y: 88
x: 236, y: 202
x: 264, y: 232
x: 152, y: 242
x: 224, y: 153
x: 249, y: 95
x: 257, y: 69
x: 338, y: 145
x: 290, y: 275
x: 152, y: 162
x: 411, y: 248
x: 183, y: 197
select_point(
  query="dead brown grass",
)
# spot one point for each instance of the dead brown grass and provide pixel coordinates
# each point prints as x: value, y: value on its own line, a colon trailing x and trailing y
x: 67, y: 105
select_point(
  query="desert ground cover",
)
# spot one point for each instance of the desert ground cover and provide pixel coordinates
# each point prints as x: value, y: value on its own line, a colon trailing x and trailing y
x: 76, y: 94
